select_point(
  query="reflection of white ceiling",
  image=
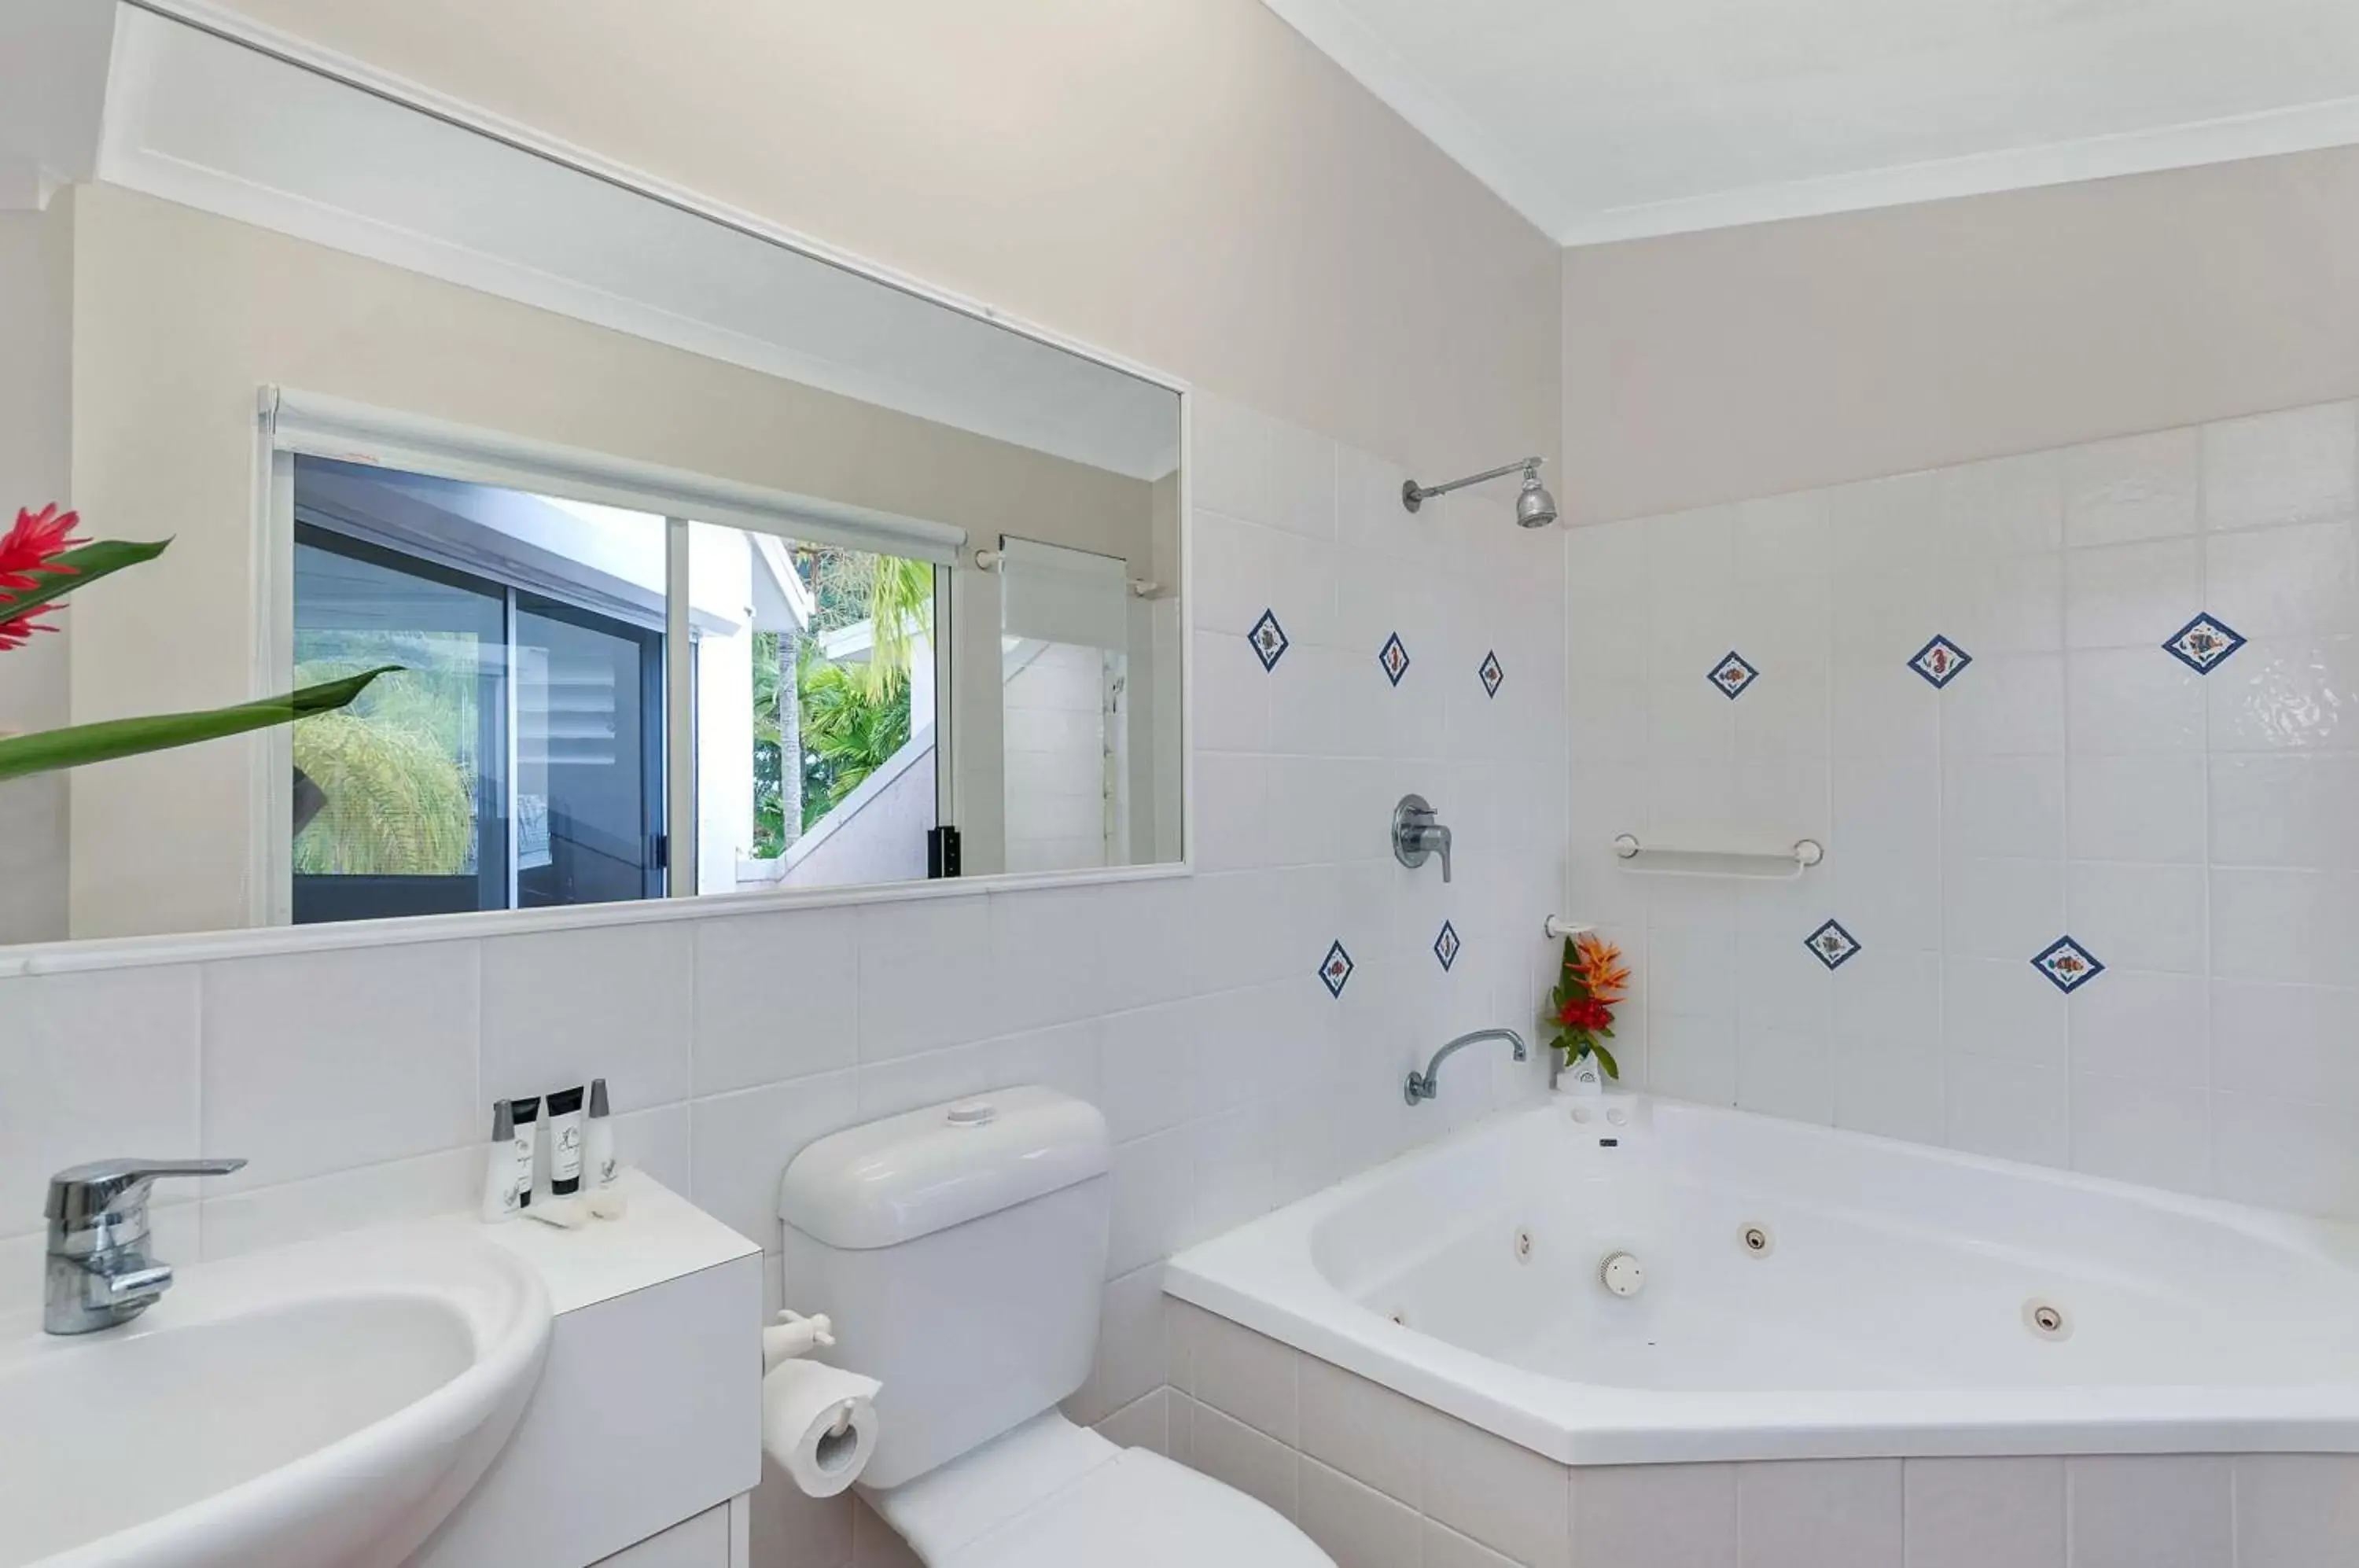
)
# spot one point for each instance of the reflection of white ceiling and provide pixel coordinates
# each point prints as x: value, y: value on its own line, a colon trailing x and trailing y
x: 1608, y: 119
x: 201, y: 121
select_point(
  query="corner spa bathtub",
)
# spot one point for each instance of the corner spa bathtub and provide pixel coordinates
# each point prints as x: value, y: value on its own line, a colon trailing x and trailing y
x: 1807, y: 1294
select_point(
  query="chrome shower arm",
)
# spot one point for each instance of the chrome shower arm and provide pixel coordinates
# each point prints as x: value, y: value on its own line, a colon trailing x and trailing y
x: 1414, y: 495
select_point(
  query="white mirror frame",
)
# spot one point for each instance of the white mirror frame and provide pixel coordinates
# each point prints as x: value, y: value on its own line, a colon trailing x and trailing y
x: 109, y: 953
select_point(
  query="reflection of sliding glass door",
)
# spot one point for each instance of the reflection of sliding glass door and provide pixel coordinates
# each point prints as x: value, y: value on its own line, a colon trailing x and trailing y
x: 516, y: 762
x: 400, y: 805
x: 588, y: 758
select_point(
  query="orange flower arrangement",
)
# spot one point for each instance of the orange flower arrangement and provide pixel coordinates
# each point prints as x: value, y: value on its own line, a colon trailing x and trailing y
x: 1594, y: 982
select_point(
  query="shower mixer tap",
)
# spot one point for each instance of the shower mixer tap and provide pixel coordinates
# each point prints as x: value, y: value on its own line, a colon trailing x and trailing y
x: 1417, y: 833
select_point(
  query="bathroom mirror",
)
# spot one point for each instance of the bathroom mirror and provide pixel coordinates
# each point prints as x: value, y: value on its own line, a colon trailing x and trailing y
x: 697, y: 565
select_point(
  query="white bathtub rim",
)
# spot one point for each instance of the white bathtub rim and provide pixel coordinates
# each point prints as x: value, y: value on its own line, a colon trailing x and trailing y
x: 1589, y: 1424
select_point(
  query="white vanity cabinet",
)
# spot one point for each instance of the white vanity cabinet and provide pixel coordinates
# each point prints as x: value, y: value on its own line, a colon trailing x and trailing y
x: 644, y: 1431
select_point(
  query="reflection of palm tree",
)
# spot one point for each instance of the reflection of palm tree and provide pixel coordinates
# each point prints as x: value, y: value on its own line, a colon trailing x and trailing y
x: 394, y: 803
x: 394, y: 777
x: 900, y: 601
x: 846, y: 734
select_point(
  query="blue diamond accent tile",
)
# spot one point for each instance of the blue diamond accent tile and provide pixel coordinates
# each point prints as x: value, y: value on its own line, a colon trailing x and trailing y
x: 1394, y: 659
x: 1269, y: 639
x: 1445, y: 946
x: 2203, y: 644
x: 1939, y: 660
x: 1492, y: 673
x: 1731, y: 675
x: 1832, y: 945
x: 1336, y: 971
x: 2068, y: 964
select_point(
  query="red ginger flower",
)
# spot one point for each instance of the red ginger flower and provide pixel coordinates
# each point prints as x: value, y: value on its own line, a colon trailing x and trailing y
x: 29, y: 552
x: 1586, y: 1013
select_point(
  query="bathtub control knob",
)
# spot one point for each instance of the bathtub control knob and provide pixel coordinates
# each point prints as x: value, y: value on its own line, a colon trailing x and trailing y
x: 1621, y: 1274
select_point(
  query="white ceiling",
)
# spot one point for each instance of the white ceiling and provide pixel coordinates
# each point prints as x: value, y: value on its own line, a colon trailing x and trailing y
x: 1610, y: 119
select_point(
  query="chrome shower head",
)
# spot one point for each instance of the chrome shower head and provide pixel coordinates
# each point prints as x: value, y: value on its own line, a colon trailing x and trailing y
x: 1535, y: 508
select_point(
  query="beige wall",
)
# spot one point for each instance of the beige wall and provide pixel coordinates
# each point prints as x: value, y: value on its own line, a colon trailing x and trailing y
x: 181, y: 316
x: 1184, y: 181
x: 1754, y: 361
x: 36, y: 376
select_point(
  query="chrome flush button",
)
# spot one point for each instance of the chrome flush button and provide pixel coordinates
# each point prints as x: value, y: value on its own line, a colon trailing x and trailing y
x: 971, y: 1113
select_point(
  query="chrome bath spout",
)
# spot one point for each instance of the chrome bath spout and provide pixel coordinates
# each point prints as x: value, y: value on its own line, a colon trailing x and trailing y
x: 1427, y: 1086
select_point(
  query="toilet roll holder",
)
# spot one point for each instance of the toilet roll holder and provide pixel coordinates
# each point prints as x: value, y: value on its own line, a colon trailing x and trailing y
x: 795, y: 1335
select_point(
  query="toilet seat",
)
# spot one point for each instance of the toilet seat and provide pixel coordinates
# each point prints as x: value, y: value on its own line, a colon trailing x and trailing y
x: 1051, y: 1495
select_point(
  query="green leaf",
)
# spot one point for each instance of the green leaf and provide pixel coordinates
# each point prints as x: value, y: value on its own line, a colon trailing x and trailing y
x: 1605, y: 1060
x: 100, y: 558
x: 85, y: 744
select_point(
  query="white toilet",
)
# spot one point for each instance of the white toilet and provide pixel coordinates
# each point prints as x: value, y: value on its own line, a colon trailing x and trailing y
x: 961, y: 1250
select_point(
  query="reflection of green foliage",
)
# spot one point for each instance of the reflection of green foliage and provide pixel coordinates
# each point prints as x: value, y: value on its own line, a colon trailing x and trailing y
x: 769, y: 751
x: 397, y: 805
x: 847, y: 733
x: 398, y: 767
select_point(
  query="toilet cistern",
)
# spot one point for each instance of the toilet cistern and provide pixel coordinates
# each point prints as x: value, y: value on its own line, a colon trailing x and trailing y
x: 1417, y: 833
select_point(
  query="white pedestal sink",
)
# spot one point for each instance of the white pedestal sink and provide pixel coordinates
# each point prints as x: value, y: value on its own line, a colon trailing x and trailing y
x: 322, y: 1406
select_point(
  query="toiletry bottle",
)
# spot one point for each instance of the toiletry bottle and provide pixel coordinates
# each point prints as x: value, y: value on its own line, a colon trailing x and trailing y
x: 526, y: 1114
x: 507, y: 1166
x: 598, y: 1136
x: 565, y: 1142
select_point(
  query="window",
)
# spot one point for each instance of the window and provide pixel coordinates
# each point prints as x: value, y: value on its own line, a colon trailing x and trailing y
x: 524, y: 756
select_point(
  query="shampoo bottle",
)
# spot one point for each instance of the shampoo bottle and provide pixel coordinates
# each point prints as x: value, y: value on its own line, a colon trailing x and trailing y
x: 508, y: 1167
x: 565, y: 1142
x: 599, y: 1137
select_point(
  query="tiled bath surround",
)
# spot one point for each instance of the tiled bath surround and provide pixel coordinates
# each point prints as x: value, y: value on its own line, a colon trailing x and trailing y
x: 1238, y: 1070
x: 2076, y: 731
x: 1380, y: 1481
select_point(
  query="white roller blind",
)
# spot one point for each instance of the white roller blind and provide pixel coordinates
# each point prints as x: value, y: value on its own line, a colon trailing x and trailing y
x: 1064, y: 595
x: 354, y: 433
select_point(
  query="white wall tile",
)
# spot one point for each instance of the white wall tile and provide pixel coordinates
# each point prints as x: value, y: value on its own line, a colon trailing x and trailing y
x: 1236, y: 1454
x: 743, y: 1141
x: 2133, y: 596
x: 1357, y: 1527
x: 2158, y: 1511
x: 2290, y: 810
x: 2291, y: 1042
x: 2270, y: 582
x: 2138, y: 488
x: 1445, y: 1548
x: 777, y: 996
x: 2286, y: 693
x: 949, y: 942
x: 2291, y: 467
x: 1666, y: 1515
x: 2134, y: 701
x: 93, y: 1067
x: 1984, y: 1513
x: 2153, y: 1029
x: 2142, y: 1131
x: 612, y: 1002
x: 2148, y: 808
x: 320, y: 1062
x: 2284, y: 1154
x: 258, y: 1218
x: 1839, y: 1513
x: 2290, y: 926
x: 2139, y: 916
x: 1363, y: 1430
x: 2003, y: 807
x: 2009, y: 1109
x: 1500, y: 1493
x: 2296, y: 1511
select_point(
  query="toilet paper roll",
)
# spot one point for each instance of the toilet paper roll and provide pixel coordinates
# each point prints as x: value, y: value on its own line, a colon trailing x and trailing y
x: 818, y: 1423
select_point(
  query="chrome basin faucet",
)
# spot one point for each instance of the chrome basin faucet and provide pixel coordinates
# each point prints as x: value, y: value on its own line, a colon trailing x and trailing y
x: 99, y: 1272
x: 1427, y: 1086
